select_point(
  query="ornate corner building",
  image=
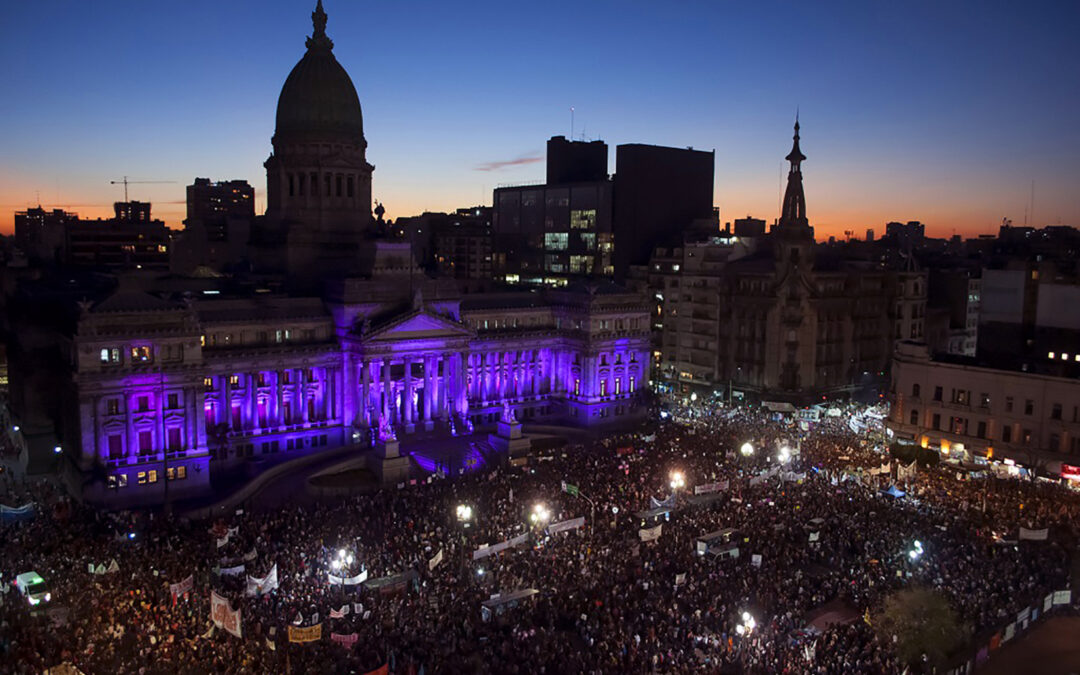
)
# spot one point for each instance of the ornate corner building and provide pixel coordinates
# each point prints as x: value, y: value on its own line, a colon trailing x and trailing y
x: 164, y: 389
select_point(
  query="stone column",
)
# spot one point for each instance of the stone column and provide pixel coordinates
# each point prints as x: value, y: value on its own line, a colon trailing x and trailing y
x: 441, y: 364
x: 349, y: 390
x: 279, y: 394
x: 407, y: 392
x: 429, y: 384
x: 386, y: 391
x: 302, y: 386
x: 365, y: 392
x: 462, y: 397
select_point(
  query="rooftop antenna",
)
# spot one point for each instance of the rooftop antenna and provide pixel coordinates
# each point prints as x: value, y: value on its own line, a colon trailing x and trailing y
x: 571, y: 122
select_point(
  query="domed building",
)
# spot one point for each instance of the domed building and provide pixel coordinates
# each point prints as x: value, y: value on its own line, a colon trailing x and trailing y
x: 318, y: 179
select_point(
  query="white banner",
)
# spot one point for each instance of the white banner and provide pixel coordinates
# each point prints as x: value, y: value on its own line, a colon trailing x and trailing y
x: 1034, y: 535
x: 680, y: 579
x: 183, y: 587
x: 347, y: 581
x: 339, y: 613
x: 814, y: 536
x: 231, y: 571
x: 906, y: 472
x: 434, y: 562
x: 755, y: 560
x: 792, y: 477
x: 1062, y: 597
x: 485, y: 551
x: 566, y: 525
x: 651, y: 534
x: 264, y: 585
x: 223, y: 616
x: 707, y: 488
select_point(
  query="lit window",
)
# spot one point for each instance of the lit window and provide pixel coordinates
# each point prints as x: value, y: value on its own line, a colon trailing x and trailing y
x: 181, y: 472
x: 208, y: 383
x: 142, y: 478
x: 202, y: 340
x: 618, y: 386
x: 633, y: 383
x: 152, y: 476
x: 110, y: 355
x: 1064, y: 356
x: 104, y: 355
x: 140, y: 354
x: 1050, y: 355
x: 577, y: 387
x: 603, y: 387
x: 234, y: 380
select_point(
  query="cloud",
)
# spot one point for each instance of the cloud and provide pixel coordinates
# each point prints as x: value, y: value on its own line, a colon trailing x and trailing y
x: 495, y: 166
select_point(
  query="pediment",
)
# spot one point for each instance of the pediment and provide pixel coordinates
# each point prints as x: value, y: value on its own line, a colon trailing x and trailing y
x: 417, y: 325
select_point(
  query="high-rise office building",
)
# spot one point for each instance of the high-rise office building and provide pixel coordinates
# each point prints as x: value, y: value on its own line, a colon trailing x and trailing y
x: 659, y: 193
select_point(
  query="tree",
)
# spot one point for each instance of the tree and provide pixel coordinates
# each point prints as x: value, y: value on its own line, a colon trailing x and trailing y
x: 921, y: 621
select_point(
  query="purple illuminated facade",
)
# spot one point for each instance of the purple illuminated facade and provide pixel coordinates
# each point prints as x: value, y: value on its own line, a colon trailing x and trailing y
x: 181, y: 391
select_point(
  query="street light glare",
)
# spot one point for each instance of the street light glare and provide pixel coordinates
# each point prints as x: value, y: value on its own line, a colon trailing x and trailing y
x: 746, y: 449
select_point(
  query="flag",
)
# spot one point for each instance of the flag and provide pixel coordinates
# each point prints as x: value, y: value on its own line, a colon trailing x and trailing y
x: 866, y: 617
x: 569, y: 489
x: 434, y: 562
x: 651, y: 534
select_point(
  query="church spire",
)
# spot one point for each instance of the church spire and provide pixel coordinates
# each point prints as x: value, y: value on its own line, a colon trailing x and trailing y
x: 794, y: 209
x: 318, y: 39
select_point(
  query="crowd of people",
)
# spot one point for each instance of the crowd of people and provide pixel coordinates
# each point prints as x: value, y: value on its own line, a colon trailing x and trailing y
x: 812, y: 529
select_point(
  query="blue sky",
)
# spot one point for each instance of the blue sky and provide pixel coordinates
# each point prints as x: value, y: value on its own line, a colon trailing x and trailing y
x: 940, y: 112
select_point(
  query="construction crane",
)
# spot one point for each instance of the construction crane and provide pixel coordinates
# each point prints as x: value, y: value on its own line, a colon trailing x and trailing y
x: 125, y: 183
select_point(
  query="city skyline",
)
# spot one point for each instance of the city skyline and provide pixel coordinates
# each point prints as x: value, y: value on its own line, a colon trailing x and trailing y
x: 928, y: 116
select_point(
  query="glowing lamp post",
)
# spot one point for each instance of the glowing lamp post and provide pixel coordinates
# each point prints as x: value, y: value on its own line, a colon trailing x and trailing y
x: 464, y: 513
x: 539, y: 515
x: 747, y: 626
x: 747, y: 450
x: 677, y: 480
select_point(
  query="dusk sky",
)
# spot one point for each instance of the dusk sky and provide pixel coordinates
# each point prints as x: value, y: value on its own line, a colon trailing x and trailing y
x: 943, y: 112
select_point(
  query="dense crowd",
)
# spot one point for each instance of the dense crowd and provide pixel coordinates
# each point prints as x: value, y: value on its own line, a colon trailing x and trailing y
x: 607, y: 601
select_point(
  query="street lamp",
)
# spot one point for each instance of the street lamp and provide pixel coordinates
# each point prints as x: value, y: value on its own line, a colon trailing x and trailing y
x: 677, y: 480
x: 747, y: 626
x: 539, y: 514
x: 464, y: 512
x: 746, y: 449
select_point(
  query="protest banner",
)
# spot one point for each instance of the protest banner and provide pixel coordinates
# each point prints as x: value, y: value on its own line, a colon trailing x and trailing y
x: 223, y: 616
x: 1034, y: 535
x: 680, y: 579
x: 815, y: 536
x: 755, y: 560
x: 435, y: 560
x: 347, y: 581
x: 566, y: 525
x: 707, y: 488
x: 182, y: 587
x: 346, y: 641
x: 265, y: 585
x: 1062, y: 597
x: 485, y: 550
x: 231, y: 571
x: 309, y: 634
x: 340, y: 613
x: 650, y: 534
